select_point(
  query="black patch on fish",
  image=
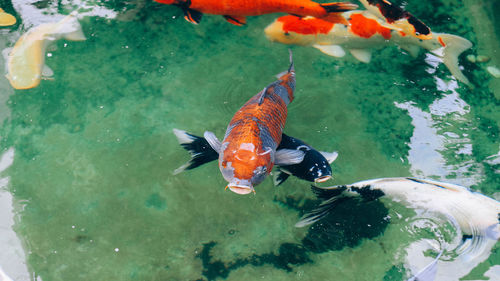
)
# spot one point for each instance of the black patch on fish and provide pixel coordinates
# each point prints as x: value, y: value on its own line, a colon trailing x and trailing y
x: 393, y: 13
x: 338, y: 7
x: 466, y: 237
x: 281, y: 178
x: 235, y: 20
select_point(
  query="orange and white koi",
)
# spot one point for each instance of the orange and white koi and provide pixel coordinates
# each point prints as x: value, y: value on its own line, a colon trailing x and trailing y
x: 26, y: 61
x: 236, y: 11
x: 248, y: 153
x: 367, y: 30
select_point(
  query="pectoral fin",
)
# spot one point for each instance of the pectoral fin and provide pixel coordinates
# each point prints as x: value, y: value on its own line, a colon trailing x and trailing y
x: 280, y: 177
x: 47, y: 71
x: 363, y: 55
x: 330, y: 156
x: 288, y: 157
x: 212, y: 141
x: 192, y: 16
x: 413, y: 50
x: 331, y: 50
x: 236, y: 20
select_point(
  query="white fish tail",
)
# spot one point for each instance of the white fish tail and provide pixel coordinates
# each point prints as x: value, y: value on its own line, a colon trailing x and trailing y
x: 454, y: 46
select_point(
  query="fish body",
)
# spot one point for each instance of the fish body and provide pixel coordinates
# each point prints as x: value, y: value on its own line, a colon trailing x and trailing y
x: 248, y: 151
x: 26, y: 60
x: 235, y: 11
x: 475, y: 216
x: 315, y: 167
x: 6, y: 19
x: 364, y: 32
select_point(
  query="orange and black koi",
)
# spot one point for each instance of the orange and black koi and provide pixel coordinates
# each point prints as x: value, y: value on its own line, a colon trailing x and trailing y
x: 236, y: 11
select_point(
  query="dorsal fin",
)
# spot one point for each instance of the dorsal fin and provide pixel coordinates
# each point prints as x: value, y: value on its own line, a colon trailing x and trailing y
x: 263, y: 95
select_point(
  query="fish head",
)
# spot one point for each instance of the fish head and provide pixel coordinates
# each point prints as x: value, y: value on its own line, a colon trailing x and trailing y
x: 245, y: 167
x: 317, y: 167
x: 296, y: 30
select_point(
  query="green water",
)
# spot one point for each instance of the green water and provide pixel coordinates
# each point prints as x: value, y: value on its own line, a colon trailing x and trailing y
x: 92, y: 178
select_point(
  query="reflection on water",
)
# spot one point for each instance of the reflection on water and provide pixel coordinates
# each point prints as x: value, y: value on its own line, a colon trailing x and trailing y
x: 12, y: 259
x: 440, y: 146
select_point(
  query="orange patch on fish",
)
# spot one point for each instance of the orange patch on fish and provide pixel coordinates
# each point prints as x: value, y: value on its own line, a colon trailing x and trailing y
x: 440, y: 40
x: 305, y: 26
x: 366, y: 28
x: 402, y: 33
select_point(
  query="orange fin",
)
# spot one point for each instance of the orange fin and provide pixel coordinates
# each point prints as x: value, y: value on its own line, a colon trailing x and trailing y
x: 337, y: 7
x: 192, y: 16
x: 236, y: 20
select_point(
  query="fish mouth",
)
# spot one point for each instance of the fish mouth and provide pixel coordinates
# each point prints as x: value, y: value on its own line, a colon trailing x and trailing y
x: 323, y: 179
x: 240, y: 189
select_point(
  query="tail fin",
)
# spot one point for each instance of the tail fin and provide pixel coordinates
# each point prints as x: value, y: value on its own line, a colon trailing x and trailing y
x: 428, y: 272
x: 338, y: 7
x: 453, y: 47
x: 335, y: 10
x: 199, y: 148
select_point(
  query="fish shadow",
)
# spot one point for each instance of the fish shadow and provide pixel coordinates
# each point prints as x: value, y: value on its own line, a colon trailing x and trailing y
x: 350, y: 222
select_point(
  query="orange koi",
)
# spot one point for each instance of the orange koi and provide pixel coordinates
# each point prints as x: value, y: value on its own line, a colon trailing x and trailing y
x: 248, y: 153
x: 365, y: 31
x: 236, y: 11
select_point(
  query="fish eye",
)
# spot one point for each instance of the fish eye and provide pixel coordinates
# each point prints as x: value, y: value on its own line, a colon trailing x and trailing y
x: 286, y: 34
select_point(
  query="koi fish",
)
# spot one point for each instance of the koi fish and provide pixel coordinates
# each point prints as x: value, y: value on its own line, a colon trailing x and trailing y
x: 26, y: 60
x: 474, y: 215
x: 6, y: 19
x: 248, y: 153
x: 236, y: 11
x: 315, y: 167
x: 365, y: 31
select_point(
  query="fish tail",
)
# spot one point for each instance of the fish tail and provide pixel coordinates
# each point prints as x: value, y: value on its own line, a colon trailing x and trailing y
x: 338, y: 7
x: 453, y: 47
x: 72, y: 29
x: 199, y: 148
